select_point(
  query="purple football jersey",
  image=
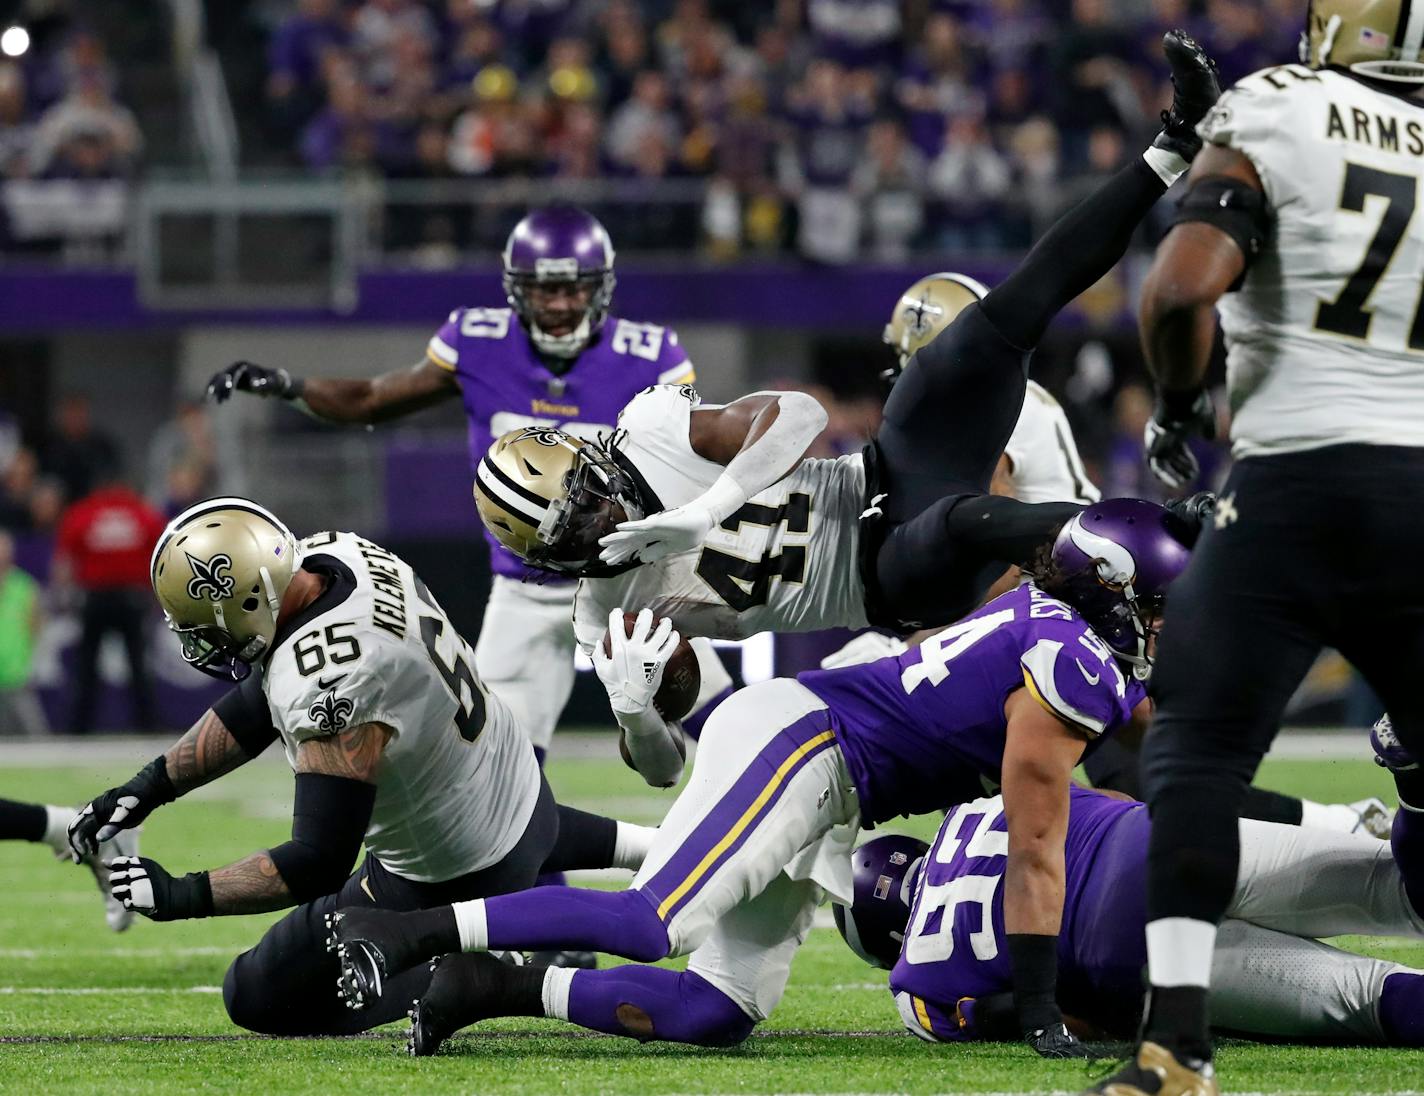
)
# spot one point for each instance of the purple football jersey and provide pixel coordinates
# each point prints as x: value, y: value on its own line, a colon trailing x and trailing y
x: 954, y: 946
x: 926, y: 730
x: 505, y: 384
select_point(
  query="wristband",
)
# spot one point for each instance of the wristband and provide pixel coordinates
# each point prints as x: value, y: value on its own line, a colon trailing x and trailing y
x: 1033, y: 958
x: 155, y: 783
x: 1180, y: 404
x: 189, y: 897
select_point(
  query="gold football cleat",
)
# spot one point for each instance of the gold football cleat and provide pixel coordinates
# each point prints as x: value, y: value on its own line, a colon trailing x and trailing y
x: 1157, y: 1072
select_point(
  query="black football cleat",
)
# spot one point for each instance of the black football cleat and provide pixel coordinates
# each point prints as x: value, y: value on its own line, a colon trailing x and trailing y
x: 371, y: 946
x: 464, y: 989
x: 578, y: 960
x: 1156, y: 1071
x: 1195, y: 91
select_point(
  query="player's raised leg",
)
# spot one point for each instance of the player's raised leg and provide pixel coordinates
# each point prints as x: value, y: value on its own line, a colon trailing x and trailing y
x: 769, y: 781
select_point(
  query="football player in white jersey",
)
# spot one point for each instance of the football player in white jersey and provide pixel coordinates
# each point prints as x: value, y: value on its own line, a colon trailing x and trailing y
x: 1300, y: 228
x: 711, y: 516
x: 339, y: 651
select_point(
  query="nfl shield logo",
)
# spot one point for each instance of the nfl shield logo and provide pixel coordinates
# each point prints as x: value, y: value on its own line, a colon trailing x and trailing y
x: 1373, y: 39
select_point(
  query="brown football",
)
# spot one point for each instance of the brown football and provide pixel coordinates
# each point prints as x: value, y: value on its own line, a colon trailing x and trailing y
x: 682, y: 677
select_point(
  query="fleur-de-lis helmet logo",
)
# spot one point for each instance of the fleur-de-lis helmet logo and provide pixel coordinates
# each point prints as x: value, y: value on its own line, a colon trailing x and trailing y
x: 330, y: 712
x: 921, y: 316
x: 212, y: 578
x: 547, y: 437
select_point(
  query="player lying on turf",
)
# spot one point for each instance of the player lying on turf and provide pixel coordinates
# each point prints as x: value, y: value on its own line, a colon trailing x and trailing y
x: 737, y: 534
x: 343, y: 654
x: 1271, y: 975
x: 49, y: 826
x: 785, y: 772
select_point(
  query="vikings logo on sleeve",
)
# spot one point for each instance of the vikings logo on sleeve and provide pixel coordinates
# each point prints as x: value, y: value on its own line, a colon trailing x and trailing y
x: 211, y: 578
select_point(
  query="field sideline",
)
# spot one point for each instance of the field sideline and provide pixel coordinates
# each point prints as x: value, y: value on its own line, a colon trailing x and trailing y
x: 84, y: 1010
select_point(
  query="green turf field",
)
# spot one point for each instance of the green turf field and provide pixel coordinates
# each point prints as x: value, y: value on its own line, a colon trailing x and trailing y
x: 84, y: 1010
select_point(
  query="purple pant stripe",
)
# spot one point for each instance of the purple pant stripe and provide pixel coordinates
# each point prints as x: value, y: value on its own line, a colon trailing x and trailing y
x: 728, y: 810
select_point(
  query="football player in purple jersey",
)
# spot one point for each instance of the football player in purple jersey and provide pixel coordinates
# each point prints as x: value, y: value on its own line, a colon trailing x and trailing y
x: 934, y: 916
x: 786, y: 772
x: 553, y: 355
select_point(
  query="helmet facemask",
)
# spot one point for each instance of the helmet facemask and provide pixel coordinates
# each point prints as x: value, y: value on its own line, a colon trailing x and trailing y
x: 599, y: 494
x: 597, y: 285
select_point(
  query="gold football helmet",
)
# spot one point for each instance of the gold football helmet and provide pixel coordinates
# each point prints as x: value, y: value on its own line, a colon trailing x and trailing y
x: 220, y: 570
x: 548, y: 497
x: 1368, y: 37
x: 926, y: 309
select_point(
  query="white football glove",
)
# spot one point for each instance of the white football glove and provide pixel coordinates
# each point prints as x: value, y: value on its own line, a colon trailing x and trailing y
x: 634, y: 669
x: 680, y: 529
x: 867, y: 647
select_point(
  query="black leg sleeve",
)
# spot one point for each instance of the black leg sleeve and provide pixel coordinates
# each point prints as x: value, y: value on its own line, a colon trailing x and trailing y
x: 585, y: 841
x: 1267, y: 806
x: 22, y: 821
x: 1083, y: 245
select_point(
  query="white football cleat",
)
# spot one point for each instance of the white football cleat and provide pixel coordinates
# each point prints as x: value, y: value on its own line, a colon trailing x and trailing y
x: 1375, y: 818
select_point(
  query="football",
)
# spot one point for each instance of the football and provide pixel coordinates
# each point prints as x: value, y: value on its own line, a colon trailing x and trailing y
x: 682, y: 678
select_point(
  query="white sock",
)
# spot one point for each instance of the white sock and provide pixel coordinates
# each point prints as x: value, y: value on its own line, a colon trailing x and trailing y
x: 1338, y: 817
x: 470, y: 920
x: 1179, y: 951
x: 1167, y: 164
x: 557, y: 983
x: 56, y: 834
x: 630, y: 847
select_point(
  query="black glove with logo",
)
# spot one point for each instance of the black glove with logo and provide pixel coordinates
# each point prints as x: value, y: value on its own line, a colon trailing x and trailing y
x: 1168, y: 434
x: 254, y: 378
x: 143, y: 886
x: 120, y: 808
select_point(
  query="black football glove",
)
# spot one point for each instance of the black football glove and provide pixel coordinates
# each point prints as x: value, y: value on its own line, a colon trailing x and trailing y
x: 1167, y: 435
x: 120, y: 808
x: 142, y: 885
x: 1054, y: 1041
x: 254, y: 378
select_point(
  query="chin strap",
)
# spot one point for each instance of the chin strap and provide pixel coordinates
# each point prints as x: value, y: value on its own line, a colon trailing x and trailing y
x: 1332, y: 28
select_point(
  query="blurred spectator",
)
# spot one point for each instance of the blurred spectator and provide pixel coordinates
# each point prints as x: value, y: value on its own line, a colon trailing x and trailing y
x: 857, y: 33
x: 78, y: 453
x: 86, y: 135
x: 186, y: 461
x: 1033, y: 149
x: 377, y: 29
x: 828, y: 124
x: 102, y: 551
x: 972, y: 181
x: 21, y: 617
x: 939, y: 82
x: 625, y: 51
x: 17, y: 131
x: 18, y: 483
x: 1089, y: 70
x: 646, y: 116
x: 490, y: 131
x: 889, y: 183
x: 1126, y: 473
x: 295, y: 56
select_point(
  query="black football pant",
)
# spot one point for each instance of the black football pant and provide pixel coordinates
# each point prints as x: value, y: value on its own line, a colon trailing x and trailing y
x: 951, y: 412
x: 286, y: 985
x: 122, y: 611
x: 1307, y: 550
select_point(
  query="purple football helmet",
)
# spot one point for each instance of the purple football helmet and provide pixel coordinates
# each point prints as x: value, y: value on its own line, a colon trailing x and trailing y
x: 886, y: 870
x: 1113, y: 563
x: 552, y: 248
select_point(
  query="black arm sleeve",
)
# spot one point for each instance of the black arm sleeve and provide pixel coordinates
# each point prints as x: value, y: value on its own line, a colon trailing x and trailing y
x: 329, y: 819
x: 243, y: 710
x: 1239, y: 210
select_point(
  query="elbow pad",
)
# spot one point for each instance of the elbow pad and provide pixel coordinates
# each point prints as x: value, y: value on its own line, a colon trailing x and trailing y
x: 1236, y: 209
x: 329, y: 819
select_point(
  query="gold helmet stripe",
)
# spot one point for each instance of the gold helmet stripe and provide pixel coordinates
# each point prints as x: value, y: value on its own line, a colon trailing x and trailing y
x: 208, y: 506
x: 503, y: 491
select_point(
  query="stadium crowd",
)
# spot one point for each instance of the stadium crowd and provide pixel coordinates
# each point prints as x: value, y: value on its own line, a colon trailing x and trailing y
x: 839, y: 127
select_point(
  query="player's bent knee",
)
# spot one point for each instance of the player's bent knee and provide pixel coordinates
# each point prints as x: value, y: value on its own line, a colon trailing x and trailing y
x: 259, y: 1004
x: 710, y: 1017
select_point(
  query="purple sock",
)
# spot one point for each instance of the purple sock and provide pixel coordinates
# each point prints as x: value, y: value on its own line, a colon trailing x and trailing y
x: 692, y: 725
x: 573, y: 919
x: 650, y: 1003
x: 1401, y: 1009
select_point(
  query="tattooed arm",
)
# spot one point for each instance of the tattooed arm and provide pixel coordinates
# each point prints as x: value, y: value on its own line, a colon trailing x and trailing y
x: 336, y: 791
x: 207, y: 751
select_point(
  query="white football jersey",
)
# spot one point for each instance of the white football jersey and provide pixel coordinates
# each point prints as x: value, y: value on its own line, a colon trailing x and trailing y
x: 1325, y: 337
x: 784, y: 562
x: 1045, y: 463
x: 458, y: 781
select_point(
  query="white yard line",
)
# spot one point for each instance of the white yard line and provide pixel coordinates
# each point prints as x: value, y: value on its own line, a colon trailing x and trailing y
x: 102, y: 991
x: 116, y: 952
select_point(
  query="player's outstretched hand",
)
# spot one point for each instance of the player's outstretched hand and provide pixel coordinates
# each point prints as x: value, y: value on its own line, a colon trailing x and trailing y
x: 1056, y: 1041
x: 632, y: 668
x: 254, y: 378
x: 120, y: 808
x: 650, y: 539
x: 142, y: 885
x: 1168, y: 434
